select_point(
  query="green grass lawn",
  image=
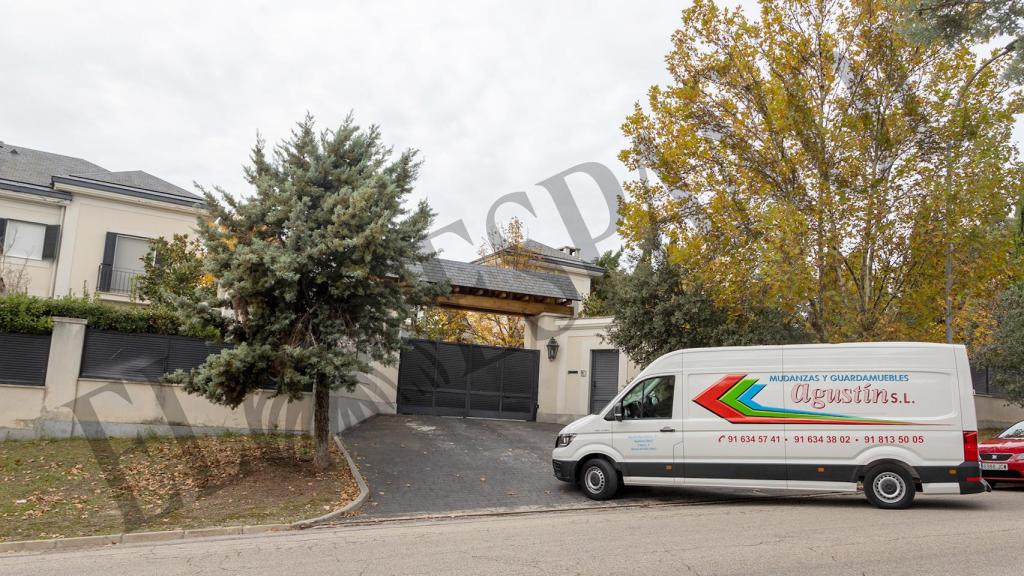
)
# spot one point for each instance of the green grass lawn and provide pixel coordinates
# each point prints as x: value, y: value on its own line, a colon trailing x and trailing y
x: 77, y: 487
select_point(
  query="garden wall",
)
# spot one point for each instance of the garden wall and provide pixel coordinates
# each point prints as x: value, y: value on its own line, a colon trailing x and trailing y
x: 98, y: 383
x: 82, y: 382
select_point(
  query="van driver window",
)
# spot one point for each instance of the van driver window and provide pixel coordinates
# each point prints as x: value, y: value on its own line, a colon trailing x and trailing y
x: 650, y: 398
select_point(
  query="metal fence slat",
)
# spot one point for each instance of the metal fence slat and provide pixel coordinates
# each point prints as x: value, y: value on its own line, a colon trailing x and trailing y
x: 23, y: 358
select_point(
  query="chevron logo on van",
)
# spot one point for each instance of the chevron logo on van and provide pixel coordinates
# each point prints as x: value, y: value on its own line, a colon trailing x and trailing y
x: 734, y: 399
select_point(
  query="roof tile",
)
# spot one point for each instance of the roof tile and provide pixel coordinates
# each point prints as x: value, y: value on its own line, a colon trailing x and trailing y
x: 490, y: 278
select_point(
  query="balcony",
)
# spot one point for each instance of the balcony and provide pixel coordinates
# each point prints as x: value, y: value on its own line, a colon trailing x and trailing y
x: 116, y: 280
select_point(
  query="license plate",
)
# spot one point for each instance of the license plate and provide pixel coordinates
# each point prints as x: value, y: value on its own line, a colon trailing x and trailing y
x: 993, y: 466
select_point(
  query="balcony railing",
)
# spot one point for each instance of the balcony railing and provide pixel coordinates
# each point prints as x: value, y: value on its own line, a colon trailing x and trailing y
x: 116, y: 280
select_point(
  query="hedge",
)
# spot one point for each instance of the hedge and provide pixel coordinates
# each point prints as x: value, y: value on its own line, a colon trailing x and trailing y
x: 33, y: 315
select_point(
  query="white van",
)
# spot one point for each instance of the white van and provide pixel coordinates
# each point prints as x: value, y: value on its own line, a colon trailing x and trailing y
x: 890, y: 418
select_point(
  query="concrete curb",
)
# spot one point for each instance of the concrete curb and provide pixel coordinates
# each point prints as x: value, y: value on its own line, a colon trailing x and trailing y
x: 164, y: 536
x: 364, y: 493
x: 128, y: 538
x: 530, y: 510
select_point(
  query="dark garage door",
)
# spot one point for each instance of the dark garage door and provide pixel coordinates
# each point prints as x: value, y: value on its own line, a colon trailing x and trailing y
x: 604, y: 378
x: 446, y: 379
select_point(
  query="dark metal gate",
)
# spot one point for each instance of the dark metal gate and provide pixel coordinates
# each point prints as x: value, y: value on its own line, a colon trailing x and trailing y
x: 604, y: 378
x: 447, y: 379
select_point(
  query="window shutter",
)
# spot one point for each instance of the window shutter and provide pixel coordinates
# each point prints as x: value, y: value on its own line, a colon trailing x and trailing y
x: 3, y: 233
x: 107, y: 267
x: 50, y: 241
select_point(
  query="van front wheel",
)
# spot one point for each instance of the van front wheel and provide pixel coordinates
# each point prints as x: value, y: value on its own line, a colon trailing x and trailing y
x: 598, y: 479
x: 890, y: 487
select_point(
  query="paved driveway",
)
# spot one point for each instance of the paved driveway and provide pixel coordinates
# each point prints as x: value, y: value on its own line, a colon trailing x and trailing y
x: 430, y: 465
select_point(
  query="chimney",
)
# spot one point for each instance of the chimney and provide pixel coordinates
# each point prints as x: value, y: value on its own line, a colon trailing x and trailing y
x: 570, y: 250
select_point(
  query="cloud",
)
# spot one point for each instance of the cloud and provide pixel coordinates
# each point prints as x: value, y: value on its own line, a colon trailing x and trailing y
x: 497, y: 96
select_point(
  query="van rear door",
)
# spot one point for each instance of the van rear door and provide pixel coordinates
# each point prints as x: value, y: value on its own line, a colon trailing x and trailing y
x: 854, y: 404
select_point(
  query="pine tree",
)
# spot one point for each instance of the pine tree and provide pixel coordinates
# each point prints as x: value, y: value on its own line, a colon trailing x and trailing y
x: 1004, y: 355
x: 313, y: 269
x: 954, y: 21
x: 596, y: 304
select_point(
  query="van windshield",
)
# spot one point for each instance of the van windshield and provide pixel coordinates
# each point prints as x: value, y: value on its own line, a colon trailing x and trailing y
x: 1015, y: 431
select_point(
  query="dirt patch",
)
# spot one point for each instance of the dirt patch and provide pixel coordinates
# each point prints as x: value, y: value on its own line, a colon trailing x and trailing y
x: 64, y: 488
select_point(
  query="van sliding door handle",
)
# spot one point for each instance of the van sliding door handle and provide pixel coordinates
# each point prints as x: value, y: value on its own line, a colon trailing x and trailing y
x: 668, y: 429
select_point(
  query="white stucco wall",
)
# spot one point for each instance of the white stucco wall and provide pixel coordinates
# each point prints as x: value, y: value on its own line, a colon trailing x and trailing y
x: 92, y: 214
x: 116, y: 408
x: 39, y: 274
x: 20, y: 407
x: 85, y: 221
x: 564, y: 383
x: 128, y: 407
x: 376, y: 393
x: 994, y: 412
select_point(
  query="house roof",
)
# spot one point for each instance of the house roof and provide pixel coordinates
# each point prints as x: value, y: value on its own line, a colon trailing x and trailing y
x: 473, y: 275
x: 139, y: 180
x: 28, y: 166
x: 552, y: 255
x: 35, y: 172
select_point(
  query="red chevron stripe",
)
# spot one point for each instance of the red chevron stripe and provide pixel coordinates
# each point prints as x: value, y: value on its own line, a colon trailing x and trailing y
x: 710, y: 399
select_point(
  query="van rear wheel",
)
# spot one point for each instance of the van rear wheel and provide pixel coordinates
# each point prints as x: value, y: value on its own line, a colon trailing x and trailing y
x: 598, y: 479
x: 889, y: 487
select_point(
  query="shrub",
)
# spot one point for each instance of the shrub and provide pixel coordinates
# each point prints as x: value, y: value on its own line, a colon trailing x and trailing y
x: 33, y: 315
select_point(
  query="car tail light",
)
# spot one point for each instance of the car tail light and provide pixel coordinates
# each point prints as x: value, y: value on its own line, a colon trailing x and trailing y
x: 970, y: 446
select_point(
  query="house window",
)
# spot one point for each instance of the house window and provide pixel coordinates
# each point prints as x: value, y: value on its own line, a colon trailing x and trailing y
x: 129, y: 253
x: 24, y: 240
x: 122, y: 263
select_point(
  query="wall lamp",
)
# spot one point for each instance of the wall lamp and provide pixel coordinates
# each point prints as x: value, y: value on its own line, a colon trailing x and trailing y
x: 552, y: 348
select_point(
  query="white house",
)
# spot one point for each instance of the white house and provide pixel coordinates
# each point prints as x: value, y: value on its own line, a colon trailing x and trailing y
x: 68, y: 225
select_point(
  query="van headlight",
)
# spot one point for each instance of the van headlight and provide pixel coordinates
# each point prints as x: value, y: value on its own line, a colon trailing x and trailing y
x: 564, y: 440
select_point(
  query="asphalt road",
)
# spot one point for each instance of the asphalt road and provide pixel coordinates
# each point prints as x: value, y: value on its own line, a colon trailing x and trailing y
x: 814, y: 535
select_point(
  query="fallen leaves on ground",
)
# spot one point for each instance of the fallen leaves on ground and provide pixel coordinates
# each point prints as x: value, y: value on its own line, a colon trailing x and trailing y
x: 54, y: 488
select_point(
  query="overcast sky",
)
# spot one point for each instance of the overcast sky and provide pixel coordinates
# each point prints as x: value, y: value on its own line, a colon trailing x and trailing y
x: 497, y: 96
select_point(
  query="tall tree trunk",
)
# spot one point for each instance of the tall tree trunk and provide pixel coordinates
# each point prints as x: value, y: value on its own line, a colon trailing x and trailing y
x: 321, y: 426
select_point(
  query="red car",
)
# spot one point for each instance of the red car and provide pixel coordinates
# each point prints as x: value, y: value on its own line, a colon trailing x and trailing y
x: 1002, y: 458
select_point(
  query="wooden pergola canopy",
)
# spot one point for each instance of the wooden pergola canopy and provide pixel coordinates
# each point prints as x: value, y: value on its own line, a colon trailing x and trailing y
x: 483, y: 288
x: 479, y: 300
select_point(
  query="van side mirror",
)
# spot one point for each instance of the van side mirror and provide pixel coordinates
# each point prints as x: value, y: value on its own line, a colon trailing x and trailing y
x: 617, y: 412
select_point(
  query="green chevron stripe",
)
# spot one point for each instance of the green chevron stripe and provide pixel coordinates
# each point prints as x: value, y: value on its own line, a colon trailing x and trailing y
x: 731, y: 399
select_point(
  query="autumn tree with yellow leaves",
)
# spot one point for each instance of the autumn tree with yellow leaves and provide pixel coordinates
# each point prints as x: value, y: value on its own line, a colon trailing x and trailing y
x: 799, y: 163
x: 173, y: 269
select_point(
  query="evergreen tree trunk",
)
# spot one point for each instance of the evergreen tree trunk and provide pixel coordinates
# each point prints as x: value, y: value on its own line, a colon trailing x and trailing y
x: 321, y: 426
